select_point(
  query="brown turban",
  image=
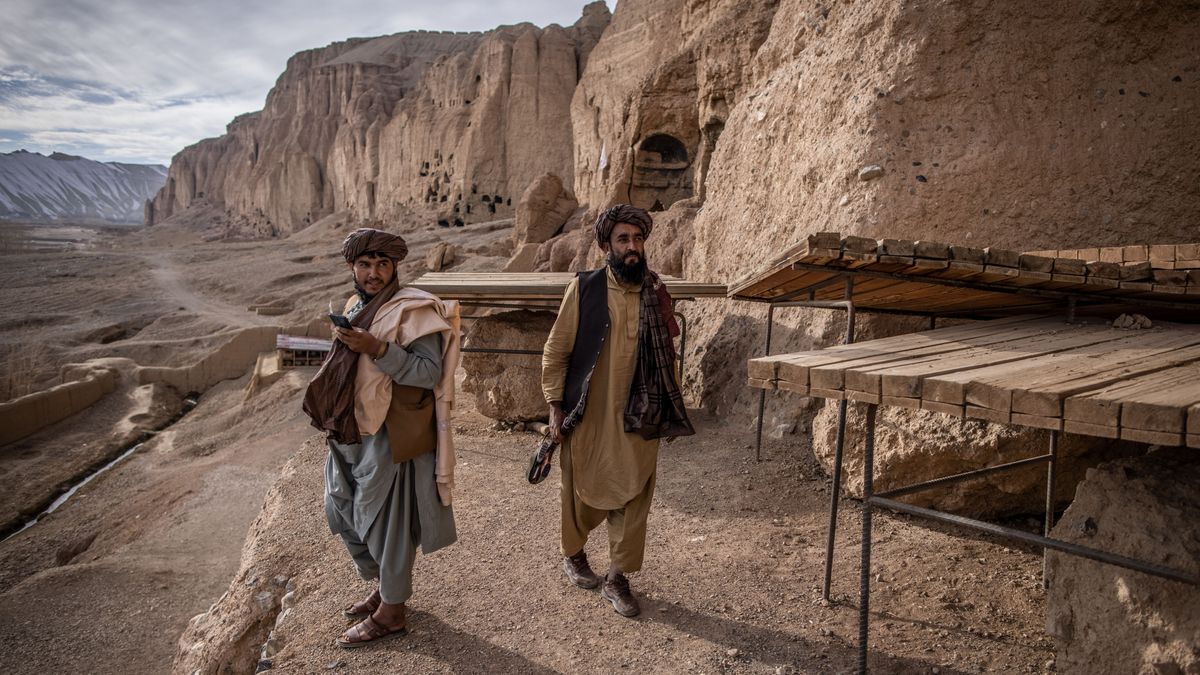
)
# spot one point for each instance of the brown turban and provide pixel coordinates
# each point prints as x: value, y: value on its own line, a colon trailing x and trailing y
x: 368, y: 240
x: 621, y: 213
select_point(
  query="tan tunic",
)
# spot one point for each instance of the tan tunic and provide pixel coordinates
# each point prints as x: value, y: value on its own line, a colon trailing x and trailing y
x: 610, y: 466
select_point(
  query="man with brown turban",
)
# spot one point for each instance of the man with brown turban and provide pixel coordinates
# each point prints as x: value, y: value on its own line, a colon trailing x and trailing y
x: 608, y: 373
x: 384, y: 396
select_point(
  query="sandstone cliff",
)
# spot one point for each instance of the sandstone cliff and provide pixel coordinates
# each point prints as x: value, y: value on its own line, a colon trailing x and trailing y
x: 452, y: 126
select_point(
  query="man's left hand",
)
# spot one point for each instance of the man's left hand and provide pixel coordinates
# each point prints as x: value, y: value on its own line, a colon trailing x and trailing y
x: 358, y: 340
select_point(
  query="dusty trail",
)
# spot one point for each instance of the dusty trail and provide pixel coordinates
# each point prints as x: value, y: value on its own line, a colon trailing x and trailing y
x: 174, y: 291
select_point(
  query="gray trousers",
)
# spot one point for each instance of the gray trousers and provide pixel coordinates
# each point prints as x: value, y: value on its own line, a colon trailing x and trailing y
x: 383, y: 511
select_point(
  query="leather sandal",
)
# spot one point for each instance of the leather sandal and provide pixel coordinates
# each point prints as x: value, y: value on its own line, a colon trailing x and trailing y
x: 363, y: 608
x: 367, y: 631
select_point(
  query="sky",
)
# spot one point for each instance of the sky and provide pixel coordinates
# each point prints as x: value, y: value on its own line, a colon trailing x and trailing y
x: 139, y: 80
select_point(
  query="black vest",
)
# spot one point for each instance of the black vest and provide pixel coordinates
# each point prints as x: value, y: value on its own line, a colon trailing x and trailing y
x: 589, y: 336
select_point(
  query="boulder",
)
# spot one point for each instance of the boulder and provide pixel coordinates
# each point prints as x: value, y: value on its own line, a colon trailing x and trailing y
x: 569, y: 252
x: 441, y: 255
x: 524, y: 259
x: 543, y: 209
x: 917, y: 445
x: 508, y: 387
x: 1145, y: 508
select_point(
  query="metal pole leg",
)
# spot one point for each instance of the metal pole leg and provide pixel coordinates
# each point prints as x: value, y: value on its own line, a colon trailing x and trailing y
x: 833, y: 498
x: 1050, y: 469
x: 839, y: 443
x: 762, y: 393
x: 864, y: 578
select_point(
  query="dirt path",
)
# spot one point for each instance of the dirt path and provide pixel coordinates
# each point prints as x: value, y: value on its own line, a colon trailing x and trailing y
x: 169, y: 282
x: 731, y: 582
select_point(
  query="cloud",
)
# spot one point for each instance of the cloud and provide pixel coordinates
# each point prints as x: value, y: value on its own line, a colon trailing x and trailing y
x: 138, y: 80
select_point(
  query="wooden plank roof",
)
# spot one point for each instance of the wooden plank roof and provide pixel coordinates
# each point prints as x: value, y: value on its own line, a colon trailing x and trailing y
x: 509, y: 286
x: 1140, y: 385
x: 937, y: 278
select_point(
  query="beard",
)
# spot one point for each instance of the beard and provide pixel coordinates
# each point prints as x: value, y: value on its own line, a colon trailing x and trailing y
x: 632, y: 274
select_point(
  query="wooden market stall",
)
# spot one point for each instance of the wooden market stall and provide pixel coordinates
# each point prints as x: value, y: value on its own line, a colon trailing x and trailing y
x: 1032, y: 363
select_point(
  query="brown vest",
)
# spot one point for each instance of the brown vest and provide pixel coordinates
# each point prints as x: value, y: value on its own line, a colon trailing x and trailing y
x: 410, y: 422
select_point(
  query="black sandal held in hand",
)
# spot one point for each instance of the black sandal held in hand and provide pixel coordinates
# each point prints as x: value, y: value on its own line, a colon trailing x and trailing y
x: 540, y: 461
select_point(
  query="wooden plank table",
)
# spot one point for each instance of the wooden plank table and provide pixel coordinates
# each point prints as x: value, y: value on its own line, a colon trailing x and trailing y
x: 935, y: 278
x: 508, y: 286
x: 1092, y: 379
x: 541, y: 290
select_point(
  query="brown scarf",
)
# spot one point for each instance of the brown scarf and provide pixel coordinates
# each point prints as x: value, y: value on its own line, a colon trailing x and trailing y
x: 329, y: 400
x: 655, y: 408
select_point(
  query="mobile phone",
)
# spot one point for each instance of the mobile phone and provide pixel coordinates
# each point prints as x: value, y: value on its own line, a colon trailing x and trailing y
x: 339, y: 320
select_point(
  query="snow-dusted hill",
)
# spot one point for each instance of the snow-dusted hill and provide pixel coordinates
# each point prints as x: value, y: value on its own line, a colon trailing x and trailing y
x: 64, y: 187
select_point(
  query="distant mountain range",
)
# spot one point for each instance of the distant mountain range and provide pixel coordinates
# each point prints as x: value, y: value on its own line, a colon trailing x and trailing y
x: 65, y: 187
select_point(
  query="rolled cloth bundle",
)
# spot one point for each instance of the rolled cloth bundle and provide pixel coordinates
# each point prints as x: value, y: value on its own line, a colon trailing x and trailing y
x: 621, y: 213
x: 366, y: 239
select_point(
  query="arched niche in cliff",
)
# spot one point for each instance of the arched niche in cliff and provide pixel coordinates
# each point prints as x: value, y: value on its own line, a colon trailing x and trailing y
x: 661, y: 173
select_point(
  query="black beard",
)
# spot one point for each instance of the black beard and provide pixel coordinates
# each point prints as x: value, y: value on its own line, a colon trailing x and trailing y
x: 633, y: 274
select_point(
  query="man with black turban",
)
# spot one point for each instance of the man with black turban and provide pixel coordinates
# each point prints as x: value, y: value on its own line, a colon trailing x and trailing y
x: 384, y: 396
x: 608, y: 373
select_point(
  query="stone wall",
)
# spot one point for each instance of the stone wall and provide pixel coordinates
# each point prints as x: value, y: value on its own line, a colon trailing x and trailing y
x: 26, y: 415
x: 230, y: 361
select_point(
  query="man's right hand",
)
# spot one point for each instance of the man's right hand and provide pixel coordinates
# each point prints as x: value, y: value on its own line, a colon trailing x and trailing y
x: 556, y: 422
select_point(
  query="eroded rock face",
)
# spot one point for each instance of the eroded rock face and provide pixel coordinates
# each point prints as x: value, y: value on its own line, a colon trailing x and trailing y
x: 508, y: 386
x: 780, y: 106
x: 543, y: 209
x: 1146, y: 508
x: 649, y: 110
x: 836, y: 88
x: 523, y: 259
x: 456, y: 124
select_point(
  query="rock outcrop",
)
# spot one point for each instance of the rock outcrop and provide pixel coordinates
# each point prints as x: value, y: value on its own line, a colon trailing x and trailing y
x: 912, y: 446
x: 453, y: 125
x: 1148, y: 509
x: 440, y: 256
x: 507, y: 386
x: 543, y: 209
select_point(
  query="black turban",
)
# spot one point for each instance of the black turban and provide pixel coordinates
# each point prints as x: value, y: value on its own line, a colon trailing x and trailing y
x: 621, y: 213
x: 368, y: 240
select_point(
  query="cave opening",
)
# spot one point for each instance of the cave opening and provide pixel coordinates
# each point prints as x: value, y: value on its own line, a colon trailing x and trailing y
x: 662, y: 173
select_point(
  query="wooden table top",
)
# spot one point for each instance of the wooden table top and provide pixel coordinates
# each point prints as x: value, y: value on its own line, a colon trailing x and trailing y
x: 936, y: 278
x: 1140, y: 385
x: 505, y: 286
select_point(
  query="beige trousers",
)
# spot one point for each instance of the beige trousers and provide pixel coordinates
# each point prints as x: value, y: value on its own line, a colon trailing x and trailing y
x: 626, y: 525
